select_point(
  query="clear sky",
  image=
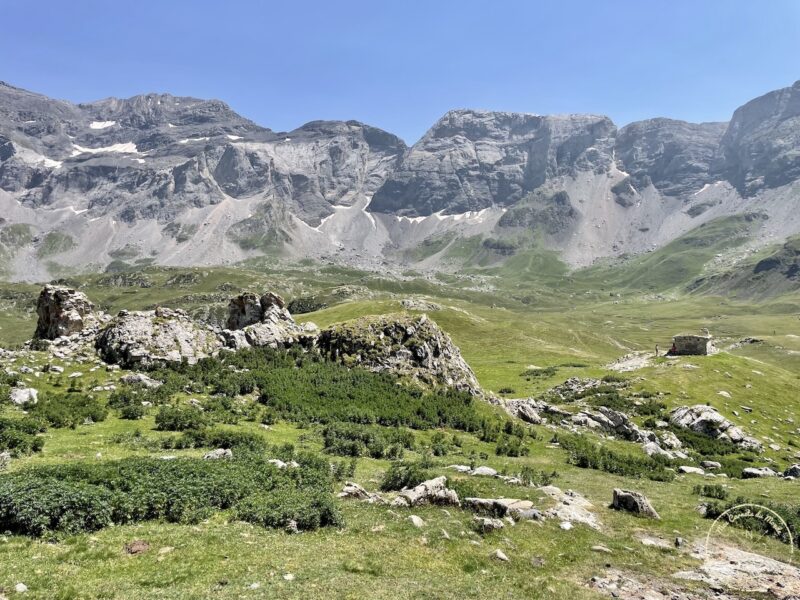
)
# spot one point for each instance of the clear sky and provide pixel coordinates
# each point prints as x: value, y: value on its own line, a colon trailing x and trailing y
x: 401, y: 64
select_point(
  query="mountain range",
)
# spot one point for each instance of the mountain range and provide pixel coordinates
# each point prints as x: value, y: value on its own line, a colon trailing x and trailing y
x: 161, y: 179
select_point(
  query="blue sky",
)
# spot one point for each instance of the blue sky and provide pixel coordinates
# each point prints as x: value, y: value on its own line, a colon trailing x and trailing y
x: 400, y: 65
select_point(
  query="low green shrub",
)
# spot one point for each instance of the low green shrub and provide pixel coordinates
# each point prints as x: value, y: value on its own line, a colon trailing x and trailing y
x: 711, y: 491
x: 760, y: 521
x: 79, y: 497
x: 19, y: 436
x: 350, y: 439
x: 68, y: 410
x: 404, y: 474
x: 587, y: 455
x: 179, y: 418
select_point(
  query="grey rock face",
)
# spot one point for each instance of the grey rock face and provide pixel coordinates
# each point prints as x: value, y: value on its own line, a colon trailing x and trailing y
x: 675, y: 156
x: 760, y: 147
x: 470, y: 160
x: 412, y: 347
x: 62, y: 311
x: 633, y: 502
x: 155, y: 337
x: 248, y: 309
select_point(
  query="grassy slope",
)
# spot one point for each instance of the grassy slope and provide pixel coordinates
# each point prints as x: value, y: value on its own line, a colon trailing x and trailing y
x: 501, y: 333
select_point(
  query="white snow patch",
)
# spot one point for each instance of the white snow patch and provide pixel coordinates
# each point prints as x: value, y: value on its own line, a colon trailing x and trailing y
x: 170, y: 125
x: 28, y: 122
x: 124, y: 148
x: 187, y: 140
x: 287, y: 139
x: 233, y: 138
x: 101, y: 124
x: 34, y: 158
x: 139, y: 160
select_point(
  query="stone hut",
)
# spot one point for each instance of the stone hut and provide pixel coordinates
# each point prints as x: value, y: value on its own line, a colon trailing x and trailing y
x: 692, y: 344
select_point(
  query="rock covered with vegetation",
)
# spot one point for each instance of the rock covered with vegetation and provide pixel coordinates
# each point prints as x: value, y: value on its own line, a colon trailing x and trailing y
x: 413, y: 347
x: 153, y: 337
x: 62, y: 311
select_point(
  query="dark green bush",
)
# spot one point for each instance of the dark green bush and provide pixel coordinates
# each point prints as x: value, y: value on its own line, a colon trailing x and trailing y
x: 307, y: 389
x: 766, y: 524
x: 68, y: 410
x: 404, y: 474
x: 711, y: 491
x: 587, y: 455
x: 18, y: 436
x: 132, y: 412
x: 511, y: 445
x: 75, y: 497
x: 308, y: 509
x: 179, y: 418
x: 349, y: 439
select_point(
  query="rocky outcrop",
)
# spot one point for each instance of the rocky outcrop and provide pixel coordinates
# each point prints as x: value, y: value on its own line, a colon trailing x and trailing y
x: 433, y: 491
x: 354, y: 491
x: 264, y: 321
x: 633, y: 502
x: 413, y: 347
x: 502, y: 507
x: 707, y: 421
x: 62, y: 311
x: 146, y: 338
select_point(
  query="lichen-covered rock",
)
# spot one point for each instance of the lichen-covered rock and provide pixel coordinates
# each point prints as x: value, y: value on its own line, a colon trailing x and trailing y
x: 707, y: 421
x: 156, y: 337
x: 633, y: 502
x: 62, y: 311
x: 412, y: 347
x: 264, y: 321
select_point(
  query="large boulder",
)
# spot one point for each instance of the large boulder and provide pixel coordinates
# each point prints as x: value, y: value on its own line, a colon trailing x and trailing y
x: 264, y: 321
x: 22, y: 396
x: 154, y: 337
x: 62, y: 311
x: 708, y: 421
x: 633, y: 502
x: 412, y: 347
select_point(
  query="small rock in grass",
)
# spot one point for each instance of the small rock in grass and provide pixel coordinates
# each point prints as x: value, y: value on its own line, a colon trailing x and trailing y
x: 499, y: 555
x: 20, y: 588
x: 137, y: 547
x: 416, y: 521
x: 288, y: 576
x: 565, y: 525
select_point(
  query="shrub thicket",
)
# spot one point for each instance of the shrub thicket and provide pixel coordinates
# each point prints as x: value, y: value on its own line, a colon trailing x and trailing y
x: 761, y: 521
x: 307, y: 389
x: 350, y: 439
x: 403, y: 474
x: 179, y: 418
x: 18, y: 436
x: 79, y: 497
x: 587, y: 455
x: 68, y: 410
